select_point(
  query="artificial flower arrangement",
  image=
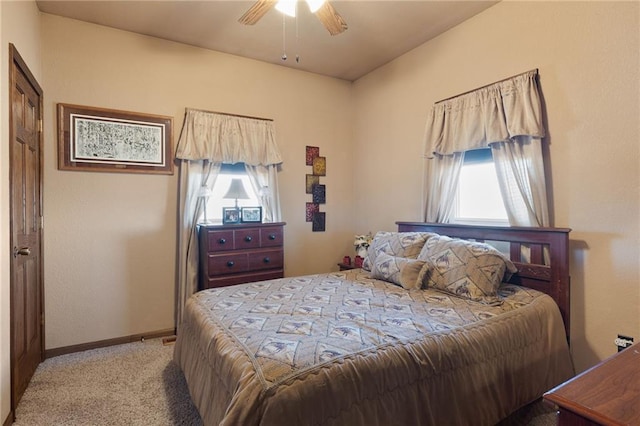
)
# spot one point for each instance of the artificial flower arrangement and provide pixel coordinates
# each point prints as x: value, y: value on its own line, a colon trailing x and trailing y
x: 362, y: 243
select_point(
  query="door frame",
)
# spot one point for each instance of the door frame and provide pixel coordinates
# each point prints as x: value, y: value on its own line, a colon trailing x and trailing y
x: 17, y: 64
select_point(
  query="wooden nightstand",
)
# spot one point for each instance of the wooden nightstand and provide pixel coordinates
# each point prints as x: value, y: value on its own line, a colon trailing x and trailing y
x: 345, y: 267
x: 607, y: 394
x: 235, y: 254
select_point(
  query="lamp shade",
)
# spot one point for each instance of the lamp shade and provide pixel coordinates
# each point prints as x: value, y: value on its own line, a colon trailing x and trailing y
x: 236, y: 190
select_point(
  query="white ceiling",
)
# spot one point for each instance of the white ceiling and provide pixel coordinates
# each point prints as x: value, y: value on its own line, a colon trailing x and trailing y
x: 379, y: 31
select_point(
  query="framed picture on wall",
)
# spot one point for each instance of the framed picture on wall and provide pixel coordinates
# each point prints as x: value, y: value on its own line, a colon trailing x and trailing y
x: 107, y: 140
x: 251, y: 214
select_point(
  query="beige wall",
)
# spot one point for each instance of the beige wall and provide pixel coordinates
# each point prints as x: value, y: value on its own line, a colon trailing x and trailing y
x: 110, y: 238
x: 587, y: 54
x: 20, y: 25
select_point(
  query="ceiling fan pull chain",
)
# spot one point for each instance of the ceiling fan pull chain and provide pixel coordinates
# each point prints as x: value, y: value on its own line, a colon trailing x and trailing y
x: 284, y: 38
x: 297, y: 40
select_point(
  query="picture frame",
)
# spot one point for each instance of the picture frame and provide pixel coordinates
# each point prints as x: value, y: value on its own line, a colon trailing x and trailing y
x: 251, y: 214
x: 230, y: 215
x: 107, y: 140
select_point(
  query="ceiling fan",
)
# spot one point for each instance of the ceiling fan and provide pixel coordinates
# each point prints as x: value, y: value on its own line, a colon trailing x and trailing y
x: 327, y: 15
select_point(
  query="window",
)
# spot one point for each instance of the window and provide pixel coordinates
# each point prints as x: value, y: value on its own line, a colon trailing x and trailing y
x: 478, y: 199
x: 220, y: 188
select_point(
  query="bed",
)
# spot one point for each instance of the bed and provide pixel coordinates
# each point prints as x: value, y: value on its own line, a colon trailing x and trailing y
x: 373, y: 347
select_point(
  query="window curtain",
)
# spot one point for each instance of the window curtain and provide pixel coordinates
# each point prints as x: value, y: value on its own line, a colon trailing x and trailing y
x: 196, y: 181
x: 230, y: 139
x: 506, y: 116
x: 441, y: 182
x: 264, y: 180
x: 522, y: 182
x: 208, y: 140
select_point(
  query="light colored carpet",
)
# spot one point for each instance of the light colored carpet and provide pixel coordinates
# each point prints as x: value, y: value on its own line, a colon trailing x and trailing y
x: 130, y: 384
x: 138, y: 384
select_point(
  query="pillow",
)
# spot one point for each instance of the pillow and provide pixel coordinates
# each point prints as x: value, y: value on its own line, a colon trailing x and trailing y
x: 399, y: 244
x: 466, y: 269
x: 404, y: 272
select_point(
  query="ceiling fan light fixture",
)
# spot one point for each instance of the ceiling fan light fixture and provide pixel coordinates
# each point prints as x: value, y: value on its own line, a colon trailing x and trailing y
x: 288, y: 7
x: 322, y: 9
x: 314, y: 5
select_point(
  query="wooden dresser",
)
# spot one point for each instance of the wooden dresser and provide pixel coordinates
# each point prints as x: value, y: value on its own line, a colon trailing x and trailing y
x: 235, y: 254
x: 607, y: 394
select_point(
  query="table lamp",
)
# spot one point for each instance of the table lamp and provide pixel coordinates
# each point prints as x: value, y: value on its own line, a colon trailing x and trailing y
x: 236, y: 191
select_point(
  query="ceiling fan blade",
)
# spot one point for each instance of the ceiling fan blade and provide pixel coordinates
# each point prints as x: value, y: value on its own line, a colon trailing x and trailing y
x: 257, y: 11
x: 331, y: 19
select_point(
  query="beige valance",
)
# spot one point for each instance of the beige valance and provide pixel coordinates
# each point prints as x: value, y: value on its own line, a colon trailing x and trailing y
x: 225, y: 138
x: 493, y: 113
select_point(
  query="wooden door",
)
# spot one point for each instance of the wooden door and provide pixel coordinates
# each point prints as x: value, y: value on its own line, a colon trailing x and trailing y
x: 25, y: 134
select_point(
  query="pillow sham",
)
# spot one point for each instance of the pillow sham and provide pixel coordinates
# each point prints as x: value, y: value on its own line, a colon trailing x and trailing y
x: 398, y: 244
x: 407, y: 273
x: 466, y: 269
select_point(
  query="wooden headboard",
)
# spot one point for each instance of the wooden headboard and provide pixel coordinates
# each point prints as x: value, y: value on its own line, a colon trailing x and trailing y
x: 551, y: 278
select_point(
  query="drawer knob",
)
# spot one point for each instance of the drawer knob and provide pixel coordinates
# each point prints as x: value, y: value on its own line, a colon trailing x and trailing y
x: 272, y: 236
x: 248, y: 238
x: 230, y: 263
x: 222, y: 241
x: 266, y: 260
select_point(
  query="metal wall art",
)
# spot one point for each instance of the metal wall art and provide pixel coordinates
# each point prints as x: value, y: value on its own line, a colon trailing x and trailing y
x: 313, y: 186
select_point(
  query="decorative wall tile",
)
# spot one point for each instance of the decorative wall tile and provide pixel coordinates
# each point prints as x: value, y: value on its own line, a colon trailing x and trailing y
x: 319, y: 221
x: 317, y: 190
x: 311, y: 180
x: 311, y: 209
x: 319, y: 194
x: 312, y: 152
x: 320, y: 166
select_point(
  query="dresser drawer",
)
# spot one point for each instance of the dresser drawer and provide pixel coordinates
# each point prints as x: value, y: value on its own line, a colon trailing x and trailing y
x: 231, y: 263
x: 227, y: 263
x: 243, y: 278
x: 265, y: 259
x: 246, y: 238
x: 271, y: 236
x: 219, y: 240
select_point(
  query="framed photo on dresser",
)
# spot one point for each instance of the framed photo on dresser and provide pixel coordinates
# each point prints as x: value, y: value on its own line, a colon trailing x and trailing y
x: 251, y: 215
x: 230, y: 215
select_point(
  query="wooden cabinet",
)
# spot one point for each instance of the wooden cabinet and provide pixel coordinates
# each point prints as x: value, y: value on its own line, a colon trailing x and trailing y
x: 235, y: 254
x: 607, y: 394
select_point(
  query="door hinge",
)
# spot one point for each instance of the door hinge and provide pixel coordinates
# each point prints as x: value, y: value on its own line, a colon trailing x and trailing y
x: 41, y: 222
x: 40, y: 125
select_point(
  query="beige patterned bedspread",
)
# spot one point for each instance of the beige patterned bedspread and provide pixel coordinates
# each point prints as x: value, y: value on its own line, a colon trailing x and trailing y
x: 342, y: 348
